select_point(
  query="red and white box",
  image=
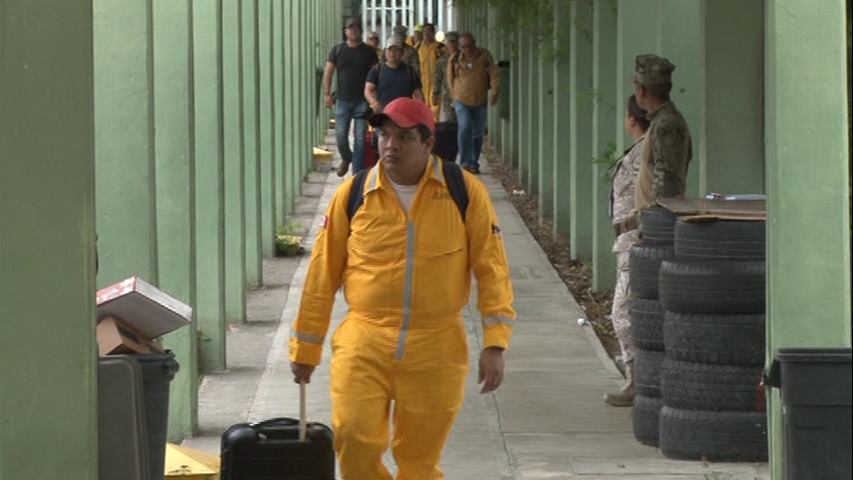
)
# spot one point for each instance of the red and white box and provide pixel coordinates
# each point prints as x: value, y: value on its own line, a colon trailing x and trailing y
x: 149, y: 310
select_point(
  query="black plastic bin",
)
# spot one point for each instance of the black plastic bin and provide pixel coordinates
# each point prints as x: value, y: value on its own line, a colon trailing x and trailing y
x: 816, y: 391
x: 158, y: 370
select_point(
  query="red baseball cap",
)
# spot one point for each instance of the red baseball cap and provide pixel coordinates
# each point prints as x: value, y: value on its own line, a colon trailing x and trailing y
x: 406, y: 113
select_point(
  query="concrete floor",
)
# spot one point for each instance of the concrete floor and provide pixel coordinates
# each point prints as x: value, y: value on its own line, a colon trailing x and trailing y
x: 546, y: 422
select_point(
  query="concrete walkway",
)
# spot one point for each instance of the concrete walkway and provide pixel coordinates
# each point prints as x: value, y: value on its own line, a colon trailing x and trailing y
x: 546, y: 422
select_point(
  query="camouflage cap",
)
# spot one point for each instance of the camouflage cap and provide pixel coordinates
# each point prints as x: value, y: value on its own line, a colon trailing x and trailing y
x: 650, y: 69
x: 400, y: 31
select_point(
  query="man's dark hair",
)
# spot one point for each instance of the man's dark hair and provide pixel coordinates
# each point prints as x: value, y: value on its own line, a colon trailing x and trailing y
x: 425, y: 133
x: 637, y: 113
x: 429, y: 25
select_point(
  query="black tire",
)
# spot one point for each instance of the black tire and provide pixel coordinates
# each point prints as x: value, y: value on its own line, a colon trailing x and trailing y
x: 713, y: 436
x: 712, y: 287
x: 646, y: 418
x: 647, y: 317
x: 644, y: 267
x: 648, y: 366
x: 658, y: 226
x: 722, y: 240
x: 715, y: 338
x: 705, y: 386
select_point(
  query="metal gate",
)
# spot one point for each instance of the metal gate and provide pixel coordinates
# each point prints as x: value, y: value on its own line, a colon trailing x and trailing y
x: 382, y: 15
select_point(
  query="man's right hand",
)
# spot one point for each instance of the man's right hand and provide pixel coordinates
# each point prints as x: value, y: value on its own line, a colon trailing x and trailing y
x: 301, y: 372
x: 329, y: 101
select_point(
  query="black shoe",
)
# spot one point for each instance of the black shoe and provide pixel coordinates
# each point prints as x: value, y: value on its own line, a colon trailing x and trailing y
x: 343, y: 168
x: 472, y: 168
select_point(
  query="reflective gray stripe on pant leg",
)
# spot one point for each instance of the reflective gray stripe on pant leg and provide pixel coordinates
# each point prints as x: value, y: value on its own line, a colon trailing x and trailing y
x: 308, y: 338
x: 407, y: 296
x: 491, y: 320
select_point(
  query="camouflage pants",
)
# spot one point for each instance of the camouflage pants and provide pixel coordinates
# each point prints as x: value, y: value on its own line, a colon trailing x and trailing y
x: 447, y: 113
x: 620, y: 315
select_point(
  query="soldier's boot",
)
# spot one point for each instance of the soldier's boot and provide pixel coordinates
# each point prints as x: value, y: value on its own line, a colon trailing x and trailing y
x: 625, y: 396
x: 343, y: 168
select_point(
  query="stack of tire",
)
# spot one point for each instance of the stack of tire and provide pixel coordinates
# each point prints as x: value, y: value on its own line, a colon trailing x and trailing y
x: 647, y: 317
x: 714, y: 297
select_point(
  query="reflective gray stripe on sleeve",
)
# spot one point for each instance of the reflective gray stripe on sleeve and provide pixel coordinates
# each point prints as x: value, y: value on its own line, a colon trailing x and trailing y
x: 493, y: 320
x: 308, y: 338
x: 437, y: 165
x: 407, y: 296
x: 375, y: 175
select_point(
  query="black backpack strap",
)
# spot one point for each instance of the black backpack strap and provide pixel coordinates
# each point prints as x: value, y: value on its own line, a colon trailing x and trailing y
x: 356, y: 193
x: 456, y: 185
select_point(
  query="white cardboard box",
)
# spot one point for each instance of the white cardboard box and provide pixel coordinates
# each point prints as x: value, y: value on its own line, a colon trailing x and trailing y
x: 148, y: 309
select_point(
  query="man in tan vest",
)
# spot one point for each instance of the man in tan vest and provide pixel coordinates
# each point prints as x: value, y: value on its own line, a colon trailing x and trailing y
x: 667, y: 150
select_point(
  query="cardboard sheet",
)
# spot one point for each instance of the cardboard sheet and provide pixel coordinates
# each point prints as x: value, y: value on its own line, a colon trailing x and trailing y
x: 705, y: 210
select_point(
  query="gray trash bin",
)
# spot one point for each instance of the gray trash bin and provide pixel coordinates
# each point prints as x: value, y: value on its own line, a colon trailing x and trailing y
x: 158, y: 370
x: 816, y: 390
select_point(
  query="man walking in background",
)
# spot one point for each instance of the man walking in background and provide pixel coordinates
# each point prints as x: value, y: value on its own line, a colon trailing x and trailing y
x: 410, y: 55
x: 351, y: 60
x: 471, y: 73
x: 373, y: 41
x: 429, y: 51
x: 441, y: 95
x: 391, y: 80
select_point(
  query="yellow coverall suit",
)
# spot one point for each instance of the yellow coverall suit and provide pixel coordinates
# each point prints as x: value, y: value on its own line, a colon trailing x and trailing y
x: 406, y: 279
x: 428, y: 56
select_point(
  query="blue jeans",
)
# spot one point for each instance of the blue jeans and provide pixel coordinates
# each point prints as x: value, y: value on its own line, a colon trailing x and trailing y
x: 472, y: 124
x: 345, y: 114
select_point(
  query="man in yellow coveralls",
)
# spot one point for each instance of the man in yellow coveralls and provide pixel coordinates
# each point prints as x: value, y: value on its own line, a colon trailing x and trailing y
x: 405, y: 262
x: 429, y: 51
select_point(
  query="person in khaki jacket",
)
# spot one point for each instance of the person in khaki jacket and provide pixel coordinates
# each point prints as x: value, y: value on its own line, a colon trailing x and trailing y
x: 471, y: 74
x: 405, y: 260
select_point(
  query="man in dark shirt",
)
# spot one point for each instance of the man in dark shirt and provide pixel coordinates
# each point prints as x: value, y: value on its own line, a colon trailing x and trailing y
x: 352, y: 60
x: 393, y: 79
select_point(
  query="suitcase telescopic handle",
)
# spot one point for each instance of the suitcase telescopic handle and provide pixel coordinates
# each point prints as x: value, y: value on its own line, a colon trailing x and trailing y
x: 303, y: 423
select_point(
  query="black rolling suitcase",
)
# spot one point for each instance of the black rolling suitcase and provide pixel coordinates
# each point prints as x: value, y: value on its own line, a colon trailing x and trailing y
x: 279, y: 448
x: 446, y: 141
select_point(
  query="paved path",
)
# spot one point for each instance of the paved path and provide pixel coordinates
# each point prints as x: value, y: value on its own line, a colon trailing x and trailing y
x: 546, y: 422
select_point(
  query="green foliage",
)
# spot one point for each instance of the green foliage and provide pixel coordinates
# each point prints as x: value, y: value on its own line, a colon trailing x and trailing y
x: 291, y: 227
x: 610, y: 160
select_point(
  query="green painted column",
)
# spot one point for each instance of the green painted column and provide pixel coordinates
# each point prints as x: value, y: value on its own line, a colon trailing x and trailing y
x: 808, y: 175
x: 279, y: 127
x: 679, y: 40
x: 173, y: 149
x: 533, y: 55
x: 562, y: 118
x: 291, y: 95
x: 547, y: 131
x: 604, y: 114
x: 580, y: 130
x: 636, y: 33
x: 300, y: 79
x: 48, y: 415
x: 209, y: 183
x: 234, y: 167
x: 267, y: 127
x: 252, y: 143
x: 731, y: 160
x: 514, y: 140
x: 124, y: 141
x: 524, y: 131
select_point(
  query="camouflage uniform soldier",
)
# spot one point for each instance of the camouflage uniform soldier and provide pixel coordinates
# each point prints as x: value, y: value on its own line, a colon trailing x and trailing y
x: 668, y: 150
x: 441, y: 90
x: 624, y: 219
x: 410, y: 55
